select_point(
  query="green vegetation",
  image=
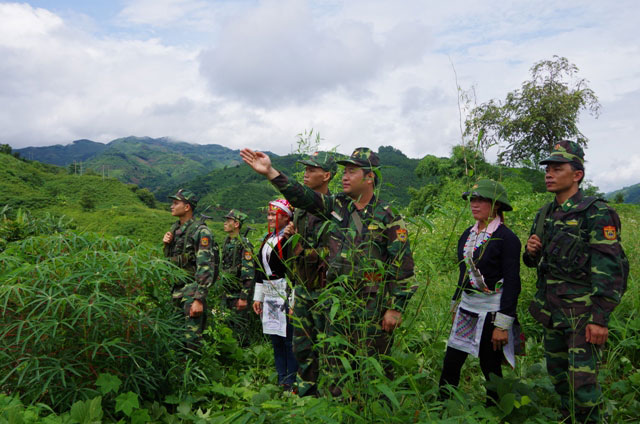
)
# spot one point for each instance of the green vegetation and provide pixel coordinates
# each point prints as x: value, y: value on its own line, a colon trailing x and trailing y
x: 103, y: 205
x: 56, y: 279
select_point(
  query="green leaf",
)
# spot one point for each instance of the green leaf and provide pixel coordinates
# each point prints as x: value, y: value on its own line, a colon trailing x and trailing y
x: 108, y: 383
x: 388, y: 393
x: 87, y: 412
x: 140, y: 416
x: 507, y: 402
x: 635, y: 379
x: 334, y: 310
x: 126, y: 402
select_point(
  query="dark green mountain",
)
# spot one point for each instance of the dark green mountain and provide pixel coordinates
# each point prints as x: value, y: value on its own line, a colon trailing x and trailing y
x: 153, y: 163
x: 78, y: 151
x: 630, y: 194
x: 241, y: 188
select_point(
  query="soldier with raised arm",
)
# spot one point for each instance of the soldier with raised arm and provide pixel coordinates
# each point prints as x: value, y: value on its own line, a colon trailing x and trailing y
x: 309, y: 271
x: 582, y: 274
x: 369, y: 255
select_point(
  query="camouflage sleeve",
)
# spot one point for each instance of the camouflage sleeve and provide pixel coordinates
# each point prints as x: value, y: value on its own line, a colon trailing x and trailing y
x: 528, y: 260
x: 399, y: 270
x: 247, y: 270
x: 301, y: 196
x: 608, y: 263
x: 207, y: 260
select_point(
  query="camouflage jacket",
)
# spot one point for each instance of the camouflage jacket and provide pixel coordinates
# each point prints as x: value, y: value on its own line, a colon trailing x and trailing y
x: 582, y: 269
x: 310, y: 265
x: 238, y: 268
x: 368, y: 249
x: 194, y: 250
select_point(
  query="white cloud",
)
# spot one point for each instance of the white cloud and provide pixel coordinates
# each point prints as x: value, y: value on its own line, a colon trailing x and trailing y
x: 280, y: 52
x: 361, y: 72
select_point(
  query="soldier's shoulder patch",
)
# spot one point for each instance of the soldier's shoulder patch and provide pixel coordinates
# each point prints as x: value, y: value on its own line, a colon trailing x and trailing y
x: 402, y: 234
x: 204, y: 241
x: 610, y: 232
x: 247, y: 255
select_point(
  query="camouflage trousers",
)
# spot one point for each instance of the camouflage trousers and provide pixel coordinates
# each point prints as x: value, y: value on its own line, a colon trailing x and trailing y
x: 194, y: 326
x: 309, y: 319
x: 572, y: 364
x: 242, y: 323
x: 350, y: 335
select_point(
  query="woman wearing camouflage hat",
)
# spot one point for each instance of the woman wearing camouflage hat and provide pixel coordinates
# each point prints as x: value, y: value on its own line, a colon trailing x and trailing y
x: 484, y: 303
x: 272, y: 296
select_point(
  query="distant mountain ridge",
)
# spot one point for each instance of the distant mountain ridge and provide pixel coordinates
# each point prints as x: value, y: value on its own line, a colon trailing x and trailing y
x: 77, y: 151
x: 630, y: 194
x: 153, y: 163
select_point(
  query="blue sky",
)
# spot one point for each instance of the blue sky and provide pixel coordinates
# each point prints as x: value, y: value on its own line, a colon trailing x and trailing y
x: 256, y: 73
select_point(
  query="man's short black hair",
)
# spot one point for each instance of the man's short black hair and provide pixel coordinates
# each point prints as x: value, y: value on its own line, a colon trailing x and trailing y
x: 576, y: 167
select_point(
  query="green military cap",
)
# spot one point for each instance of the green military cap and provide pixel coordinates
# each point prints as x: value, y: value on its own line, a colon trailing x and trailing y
x: 236, y: 215
x: 566, y: 151
x: 324, y: 160
x: 363, y: 157
x: 186, y: 196
x: 489, y: 189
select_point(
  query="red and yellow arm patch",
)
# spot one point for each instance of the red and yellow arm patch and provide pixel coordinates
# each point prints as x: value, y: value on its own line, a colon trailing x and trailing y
x: 247, y: 255
x: 610, y: 232
x: 402, y: 234
x: 204, y: 241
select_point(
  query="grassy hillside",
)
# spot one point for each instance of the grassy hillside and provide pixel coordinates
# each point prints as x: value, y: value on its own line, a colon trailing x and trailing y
x: 96, y: 204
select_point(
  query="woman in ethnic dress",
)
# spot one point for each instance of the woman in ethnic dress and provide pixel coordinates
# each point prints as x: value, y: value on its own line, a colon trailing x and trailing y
x: 272, y: 296
x: 485, y: 300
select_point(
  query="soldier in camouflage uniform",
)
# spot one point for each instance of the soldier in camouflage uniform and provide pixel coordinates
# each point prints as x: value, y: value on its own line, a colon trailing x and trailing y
x: 582, y: 273
x: 190, y: 245
x: 369, y: 259
x: 309, y: 270
x: 238, y: 272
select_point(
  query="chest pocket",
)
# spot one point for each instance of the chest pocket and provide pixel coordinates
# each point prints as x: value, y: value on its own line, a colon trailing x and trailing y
x: 567, y: 250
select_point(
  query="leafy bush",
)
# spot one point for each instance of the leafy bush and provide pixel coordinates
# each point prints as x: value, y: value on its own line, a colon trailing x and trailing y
x: 75, y: 305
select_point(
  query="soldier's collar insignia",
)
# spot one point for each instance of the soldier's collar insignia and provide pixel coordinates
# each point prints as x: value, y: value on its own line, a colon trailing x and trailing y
x: 402, y: 234
x: 609, y: 232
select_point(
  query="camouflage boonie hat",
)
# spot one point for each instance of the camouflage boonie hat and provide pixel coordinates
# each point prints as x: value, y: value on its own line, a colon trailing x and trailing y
x: 324, y: 160
x: 363, y: 157
x: 236, y: 215
x: 566, y: 151
x: 186, y: 196
x: 489, y: 189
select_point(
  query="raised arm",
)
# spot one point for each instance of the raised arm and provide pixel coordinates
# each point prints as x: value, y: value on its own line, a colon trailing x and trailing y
x: 260, y: 162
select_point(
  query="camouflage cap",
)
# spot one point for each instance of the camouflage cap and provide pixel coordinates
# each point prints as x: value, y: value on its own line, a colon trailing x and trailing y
x: 186, y: 196
x: 363, y: 157
x: 324, y: 160
x: 489, y: 189
x: 566, y: 151
x: 236, y: 215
